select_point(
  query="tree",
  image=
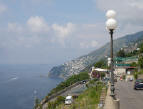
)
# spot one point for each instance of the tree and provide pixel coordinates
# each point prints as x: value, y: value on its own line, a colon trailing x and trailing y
x: 136, y: 75
x: 121, y: 53
x: 102, y: 75
x: 141, y: 48
x: 100, y: 64
x: 133, y: 64
x: 140, y: 61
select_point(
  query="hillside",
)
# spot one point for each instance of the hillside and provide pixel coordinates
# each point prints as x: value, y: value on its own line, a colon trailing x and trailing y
x: 79, y: 64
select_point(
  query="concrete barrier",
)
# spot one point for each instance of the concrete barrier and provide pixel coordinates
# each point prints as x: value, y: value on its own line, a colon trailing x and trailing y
x: 116, y: 104
x: 110, y: 102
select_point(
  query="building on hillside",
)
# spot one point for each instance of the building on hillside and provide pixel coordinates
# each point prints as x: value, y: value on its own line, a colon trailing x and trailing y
x: 130, y: 48
x: 119, y: 71
x: 96, y: 72
x: 123, y: 66
x: 124, y: 70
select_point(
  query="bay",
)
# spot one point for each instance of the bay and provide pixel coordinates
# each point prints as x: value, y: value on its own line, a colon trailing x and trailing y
x: 20, y: 84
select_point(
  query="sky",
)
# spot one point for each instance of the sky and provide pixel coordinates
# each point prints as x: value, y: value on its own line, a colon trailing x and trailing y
x: 56, y: 31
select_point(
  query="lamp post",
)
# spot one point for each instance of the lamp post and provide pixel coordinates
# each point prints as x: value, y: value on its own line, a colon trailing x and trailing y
x: 111, y: 25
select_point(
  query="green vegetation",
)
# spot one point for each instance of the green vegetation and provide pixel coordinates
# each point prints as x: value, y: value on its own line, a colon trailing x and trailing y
x: 121, y: 53
x: 89, y: 99
x: 134, y: 64
x: 141, y: 48
x: 141, y: 71
x: 124, y: 77
x: 133, y: 53
x: 37, y: 104
x: 140, y: 61
x: 93, y: 81
x: 136, y: 75
x: 71, y: 80
x: 101, y: 64
x: 54, y: 104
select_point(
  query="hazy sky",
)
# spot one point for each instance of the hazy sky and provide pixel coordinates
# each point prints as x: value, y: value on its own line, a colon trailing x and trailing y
x: 54, y: 31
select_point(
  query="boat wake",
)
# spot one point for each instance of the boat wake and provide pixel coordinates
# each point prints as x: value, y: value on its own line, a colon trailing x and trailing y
x: 13, y: 79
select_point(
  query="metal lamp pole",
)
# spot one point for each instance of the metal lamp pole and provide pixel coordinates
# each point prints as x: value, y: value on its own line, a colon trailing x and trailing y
x: 112, y: 65
x: 111, y: 24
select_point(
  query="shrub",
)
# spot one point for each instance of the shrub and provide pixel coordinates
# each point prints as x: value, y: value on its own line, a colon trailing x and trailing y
x: 136, y: 75
x: 37, y: 104
x: 58, y: 101
x: 124, y: 77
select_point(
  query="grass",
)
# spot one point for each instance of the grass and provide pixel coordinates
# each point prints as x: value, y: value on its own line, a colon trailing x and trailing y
x: 89, y: 99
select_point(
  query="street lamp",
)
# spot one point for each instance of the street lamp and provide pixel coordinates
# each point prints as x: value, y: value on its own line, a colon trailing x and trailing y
x: 111, y: 25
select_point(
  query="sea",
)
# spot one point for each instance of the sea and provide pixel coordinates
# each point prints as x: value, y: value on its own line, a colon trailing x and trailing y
x: 21, y: 84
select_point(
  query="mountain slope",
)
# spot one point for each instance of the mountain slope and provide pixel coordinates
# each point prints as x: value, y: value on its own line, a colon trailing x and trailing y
x: 79, y: 64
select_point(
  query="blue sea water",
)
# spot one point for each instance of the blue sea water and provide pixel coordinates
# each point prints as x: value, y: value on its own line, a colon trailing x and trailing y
x: 20, y: 84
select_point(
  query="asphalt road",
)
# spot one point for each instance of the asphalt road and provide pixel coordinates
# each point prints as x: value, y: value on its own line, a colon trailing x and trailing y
x: 75, y: 90
x: 129, y: 98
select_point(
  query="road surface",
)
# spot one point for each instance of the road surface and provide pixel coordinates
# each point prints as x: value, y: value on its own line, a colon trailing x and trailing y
x: 75, y: 90
x: 129, y: 98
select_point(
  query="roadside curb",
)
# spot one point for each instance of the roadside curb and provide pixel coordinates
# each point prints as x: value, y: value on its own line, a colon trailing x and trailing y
x: 111, y: 103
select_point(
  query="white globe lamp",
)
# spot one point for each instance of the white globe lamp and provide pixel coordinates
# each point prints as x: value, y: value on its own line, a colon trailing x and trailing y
x: 111, y: 14
x: 111, y: 24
